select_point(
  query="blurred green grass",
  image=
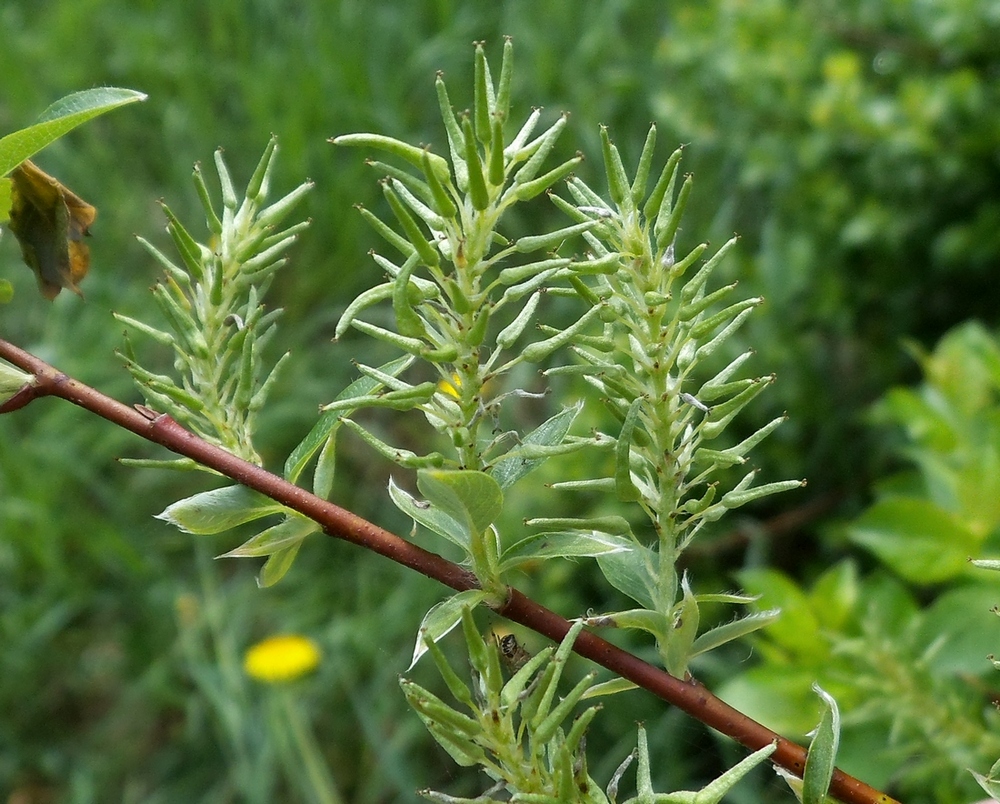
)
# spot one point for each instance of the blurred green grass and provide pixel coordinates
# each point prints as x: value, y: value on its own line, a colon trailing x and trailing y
x: 99, y: 695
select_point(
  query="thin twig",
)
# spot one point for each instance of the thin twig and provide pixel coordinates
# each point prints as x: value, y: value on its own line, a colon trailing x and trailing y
x: 688, y: 695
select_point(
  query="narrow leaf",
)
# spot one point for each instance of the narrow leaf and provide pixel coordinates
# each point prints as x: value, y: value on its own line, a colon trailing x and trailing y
x: 218, y: 510
x: 277, y: 565
x: 822, y: 757
x: 562, y: 544
x: 60, y: 118
x: 281, y: 536
x: 728, y: 632
x: 548, y: 433
x: 442, y: 618
x: 625, y: 488
x: 327, y: 424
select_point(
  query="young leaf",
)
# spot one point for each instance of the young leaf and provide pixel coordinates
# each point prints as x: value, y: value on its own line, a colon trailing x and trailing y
x: 327, y: 424
x: 12, y: 380
x: 442, y: 618
x: 430, y: 516
x: 561, y: 545
x: 990, y: 783
x: 626, y: 489
x: 60, y: 118
x: 714, y: 791
x: 548, y: 433
x: 218, y: 510
x: 676, y: 649
x: 277, y: 565
x: 632, y: 572
x: 471, y: 497
x: 292, y: 530
x: 822, y: 757
x: 730, y: 631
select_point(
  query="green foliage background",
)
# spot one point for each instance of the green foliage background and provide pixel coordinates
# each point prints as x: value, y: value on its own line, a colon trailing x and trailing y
x: 852, y: 145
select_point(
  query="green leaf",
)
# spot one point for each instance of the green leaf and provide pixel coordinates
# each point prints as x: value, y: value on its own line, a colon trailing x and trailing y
x: 714, y: 791
x: 991, y: 783
x: 613, y: 524
x: 327, y: 425
x: 431, y: 517
x: 730, y: 631
x: 279, y: 537
x: 632, y: 572
x: 218, y: 510
x: 625, y: 488
x: 778, y: 696
x: 676, y: 649
x: 651, y: 622
x: 561, y: 545
x: 442, y: 618
x: 60, y: 118
x: 12, y: 379
x: 822, y: 757
x: 6, y: 186
x: 835, y: 594
x: 458, y: 688
x: 471, y: 497
x: 917, y: 539
x: 549, y: 433
x: 326, y: 467
x: 277, y: 565
x: 612, y: 687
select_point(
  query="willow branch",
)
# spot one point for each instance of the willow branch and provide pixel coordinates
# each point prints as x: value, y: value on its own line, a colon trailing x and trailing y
x: 688, y: 694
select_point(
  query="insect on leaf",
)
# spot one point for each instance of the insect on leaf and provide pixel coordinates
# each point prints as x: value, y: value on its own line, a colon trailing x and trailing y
x: 50, y: 222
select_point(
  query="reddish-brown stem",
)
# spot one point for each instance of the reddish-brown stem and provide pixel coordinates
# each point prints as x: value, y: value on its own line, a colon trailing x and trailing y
x: 688, y: 695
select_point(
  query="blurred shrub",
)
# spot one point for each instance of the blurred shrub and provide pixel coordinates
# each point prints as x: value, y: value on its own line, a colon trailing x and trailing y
x: 904, y: 648
x: 855, y: 144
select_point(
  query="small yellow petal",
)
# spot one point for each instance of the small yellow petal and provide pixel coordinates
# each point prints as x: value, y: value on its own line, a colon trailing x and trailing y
x: 451, y: 388
x: 281, y: 658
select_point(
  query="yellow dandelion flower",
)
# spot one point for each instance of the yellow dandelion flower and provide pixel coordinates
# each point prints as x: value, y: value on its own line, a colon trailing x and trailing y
x: 281, y: 658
